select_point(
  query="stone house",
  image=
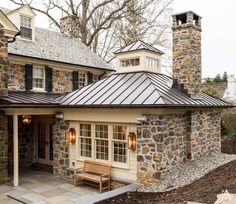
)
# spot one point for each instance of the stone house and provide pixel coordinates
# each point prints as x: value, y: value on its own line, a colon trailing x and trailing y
x: 137, y: 119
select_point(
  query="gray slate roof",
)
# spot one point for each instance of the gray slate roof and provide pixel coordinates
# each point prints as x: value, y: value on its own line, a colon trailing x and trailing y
x: 139, y: 89
x: 5, y: 10
x: 138, y: 45
x: 55, y: 46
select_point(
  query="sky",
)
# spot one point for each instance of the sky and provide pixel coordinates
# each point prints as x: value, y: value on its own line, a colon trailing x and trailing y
x: 218, y: 32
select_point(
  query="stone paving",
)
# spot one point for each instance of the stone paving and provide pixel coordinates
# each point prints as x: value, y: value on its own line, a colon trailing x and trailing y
x: 42, y: 187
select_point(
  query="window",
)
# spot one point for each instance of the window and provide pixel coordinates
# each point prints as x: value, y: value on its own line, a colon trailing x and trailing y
x: 38, y: 78
x: 82, y: 80
x: 98, y: 141
x: 95, y: 77
x: 85, y: 140
x: 101, y: 140
x: 119, y: 144
x: 26, y: 27
x: 152, y: 62
x: 130, y: 62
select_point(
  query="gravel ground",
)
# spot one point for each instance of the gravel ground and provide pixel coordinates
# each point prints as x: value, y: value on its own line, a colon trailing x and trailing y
x: 187, y: 173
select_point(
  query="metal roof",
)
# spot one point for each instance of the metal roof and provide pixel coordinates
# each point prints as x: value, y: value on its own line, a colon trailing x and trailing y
x: 138, y: 45
x: 138, y: 89
x: 26, y: 99
x: 56, y: 46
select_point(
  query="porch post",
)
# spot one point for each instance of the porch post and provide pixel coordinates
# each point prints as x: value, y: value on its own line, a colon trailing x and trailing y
x: 16, y: 151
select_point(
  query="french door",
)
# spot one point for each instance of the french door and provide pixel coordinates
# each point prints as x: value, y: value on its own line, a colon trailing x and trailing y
x: 43, y: 139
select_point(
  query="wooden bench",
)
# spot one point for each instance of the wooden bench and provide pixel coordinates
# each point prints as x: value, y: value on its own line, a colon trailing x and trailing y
x: 95, y: 173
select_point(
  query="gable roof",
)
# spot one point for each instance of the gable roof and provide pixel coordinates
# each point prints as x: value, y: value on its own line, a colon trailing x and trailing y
x: 138, y: 89
x: 5, y: 10
x: 138, y: 45
x: 8, y: 28
x: 55, y: 46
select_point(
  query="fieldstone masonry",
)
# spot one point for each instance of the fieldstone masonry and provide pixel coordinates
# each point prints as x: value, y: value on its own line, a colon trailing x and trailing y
x: 3, y: 64
x: 60, y: 147
x: 165, y: 141
x: 187, y: 52
x: 3, y: 148
x: 71, y: 26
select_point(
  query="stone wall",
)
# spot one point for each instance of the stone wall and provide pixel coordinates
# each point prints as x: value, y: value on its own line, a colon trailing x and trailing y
x: 161, y: 145
x: 204, y: 133
x: 62, y: 81
x: 60, y: 147
x: 187, y: 52
x: 166, y: 141
x: 3, y: 148
x: 16, y: 77
x: 3, y: 65
x: 26, y: 148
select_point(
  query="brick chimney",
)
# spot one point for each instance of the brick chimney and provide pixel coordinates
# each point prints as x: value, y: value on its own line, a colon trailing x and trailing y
x: 187, y: 68
x: 3, y: 64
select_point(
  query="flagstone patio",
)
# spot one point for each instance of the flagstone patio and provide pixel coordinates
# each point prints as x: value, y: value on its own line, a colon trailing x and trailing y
x: 43, y: 187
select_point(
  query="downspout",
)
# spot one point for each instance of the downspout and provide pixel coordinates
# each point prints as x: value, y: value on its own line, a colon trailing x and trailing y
x: 13, y: 39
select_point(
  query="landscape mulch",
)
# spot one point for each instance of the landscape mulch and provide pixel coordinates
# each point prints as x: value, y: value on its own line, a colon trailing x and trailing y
x: 204, y: 190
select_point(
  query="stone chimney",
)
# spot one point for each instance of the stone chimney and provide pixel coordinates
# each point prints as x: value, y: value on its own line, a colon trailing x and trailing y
x: 70, y: 25
x: 187, y: 68
x: 3, y: 64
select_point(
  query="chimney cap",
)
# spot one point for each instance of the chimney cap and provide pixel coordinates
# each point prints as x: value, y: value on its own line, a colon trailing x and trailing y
x: 177, y: 14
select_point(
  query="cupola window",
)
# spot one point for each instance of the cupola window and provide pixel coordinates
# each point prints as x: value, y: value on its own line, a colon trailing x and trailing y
x: 131, y: 62
x: 152, y: 62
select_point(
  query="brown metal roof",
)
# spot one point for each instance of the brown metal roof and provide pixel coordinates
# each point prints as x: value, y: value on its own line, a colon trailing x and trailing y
x: 139, y: 89
x: 138, y: 45
x: 29, y: 99
x: 128, y: 90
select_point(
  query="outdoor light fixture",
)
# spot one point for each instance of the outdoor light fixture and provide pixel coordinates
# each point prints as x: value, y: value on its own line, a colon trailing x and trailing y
x: 72, y: 135
x: 26, y: 119
x: 132, y: 141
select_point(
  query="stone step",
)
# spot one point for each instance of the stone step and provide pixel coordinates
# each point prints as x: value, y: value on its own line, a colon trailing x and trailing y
x: 42, y: 167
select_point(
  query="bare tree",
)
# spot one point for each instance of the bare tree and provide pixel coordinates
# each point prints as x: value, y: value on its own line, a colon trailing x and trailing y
x: 105, y: 25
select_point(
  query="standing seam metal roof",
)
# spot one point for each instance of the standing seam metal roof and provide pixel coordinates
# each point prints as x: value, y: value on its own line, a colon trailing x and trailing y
x: 135, y: 89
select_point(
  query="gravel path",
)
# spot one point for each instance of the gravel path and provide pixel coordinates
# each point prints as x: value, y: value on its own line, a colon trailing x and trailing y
x: 189, y: 172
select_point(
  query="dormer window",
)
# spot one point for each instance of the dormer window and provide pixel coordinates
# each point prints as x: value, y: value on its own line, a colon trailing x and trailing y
x: 131, y: 62
x: 152, y: 62
x: 26, y: 27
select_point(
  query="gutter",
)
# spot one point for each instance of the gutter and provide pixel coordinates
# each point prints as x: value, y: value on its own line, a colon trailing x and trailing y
x: 13, y: 39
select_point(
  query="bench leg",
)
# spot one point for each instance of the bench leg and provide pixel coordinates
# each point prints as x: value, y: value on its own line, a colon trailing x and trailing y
x: 100, y: 187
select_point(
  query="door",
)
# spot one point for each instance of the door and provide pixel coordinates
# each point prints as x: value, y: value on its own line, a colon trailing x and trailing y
x: 44, y: 141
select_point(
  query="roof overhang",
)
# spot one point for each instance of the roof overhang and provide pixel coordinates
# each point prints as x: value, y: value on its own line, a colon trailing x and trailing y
x: 8, y: 28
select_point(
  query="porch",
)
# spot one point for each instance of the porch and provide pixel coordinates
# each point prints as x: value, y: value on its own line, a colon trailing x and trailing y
x: 43, y: 187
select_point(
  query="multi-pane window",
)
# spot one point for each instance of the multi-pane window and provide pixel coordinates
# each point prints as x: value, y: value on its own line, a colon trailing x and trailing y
x: 104, y: 142
x: 101, y: 142
x: 26, y: 27
x: 152, y: 62
x: 38, y: 77
x: 82, y: 80
x: 85, y: 140
x: 119, y: 143
x: 130, y: 62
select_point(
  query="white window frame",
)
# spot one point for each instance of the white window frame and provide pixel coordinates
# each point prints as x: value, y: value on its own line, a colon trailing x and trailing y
x: 110, y: 147
x: 27, y: 26
x: 128, y: 59
x: 44, y: 79
x: 85, y: 79
x: 152, y: 62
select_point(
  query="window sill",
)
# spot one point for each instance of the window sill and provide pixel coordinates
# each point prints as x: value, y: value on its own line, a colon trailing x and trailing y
x: 39, y: 90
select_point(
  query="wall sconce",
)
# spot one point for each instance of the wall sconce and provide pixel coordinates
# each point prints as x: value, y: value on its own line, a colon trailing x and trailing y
x: 132, y: 141
x: 72, y: 135
x: 26, y: 119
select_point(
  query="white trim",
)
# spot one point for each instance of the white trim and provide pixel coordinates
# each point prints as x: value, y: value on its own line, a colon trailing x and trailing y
x: 15, y: 150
